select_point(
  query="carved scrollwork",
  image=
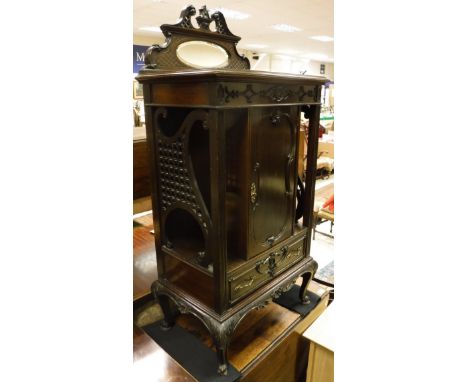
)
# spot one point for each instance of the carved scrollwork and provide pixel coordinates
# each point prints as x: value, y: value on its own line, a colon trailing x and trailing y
x: 164, y: 56
x: 270, y: 264
x: 203, y: 20
x: 277, y: 93
x: 275, y: 117
x: 282, y: 289
x: 245, y: 284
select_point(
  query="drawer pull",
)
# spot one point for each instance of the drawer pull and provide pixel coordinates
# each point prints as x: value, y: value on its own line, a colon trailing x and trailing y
x: 269, y: 265
x: 248, y: 283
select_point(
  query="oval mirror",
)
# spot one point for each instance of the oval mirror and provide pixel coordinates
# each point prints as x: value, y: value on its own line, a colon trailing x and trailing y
x: 201, y: 54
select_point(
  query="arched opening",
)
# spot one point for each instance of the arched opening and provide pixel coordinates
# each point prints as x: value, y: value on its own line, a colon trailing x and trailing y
x: 184, y: 234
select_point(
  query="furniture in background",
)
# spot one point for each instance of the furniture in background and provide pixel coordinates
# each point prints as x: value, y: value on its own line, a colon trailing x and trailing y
x: 141, y: 176
x: 325, y: 159
x: 324, y: 213
x: 322, y: 216
x: 223, y: 152
x: 321, y: 353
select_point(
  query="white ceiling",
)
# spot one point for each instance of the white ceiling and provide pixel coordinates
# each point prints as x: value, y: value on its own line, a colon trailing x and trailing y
x: 313, y: 17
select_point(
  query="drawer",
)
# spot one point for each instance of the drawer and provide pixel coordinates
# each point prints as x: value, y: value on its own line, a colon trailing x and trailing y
x: 266, y: 268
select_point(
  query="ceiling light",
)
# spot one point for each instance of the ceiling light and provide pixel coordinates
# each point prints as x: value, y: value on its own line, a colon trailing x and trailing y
x: 150, y: 29
x: 322, y: 38
x: 256, y: 46
x: 317, y: 56
x: 231, y: 14
x: 285, y: 28
x: 288, y: 52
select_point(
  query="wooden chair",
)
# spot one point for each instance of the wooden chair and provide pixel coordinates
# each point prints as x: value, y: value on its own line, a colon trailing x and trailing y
x: 321, y: 216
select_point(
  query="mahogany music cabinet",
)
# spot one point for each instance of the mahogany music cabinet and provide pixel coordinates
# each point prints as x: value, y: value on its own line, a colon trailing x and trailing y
x: 227, y: 201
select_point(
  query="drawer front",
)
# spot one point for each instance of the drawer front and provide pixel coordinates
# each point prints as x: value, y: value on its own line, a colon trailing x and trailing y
x: 265, y: 269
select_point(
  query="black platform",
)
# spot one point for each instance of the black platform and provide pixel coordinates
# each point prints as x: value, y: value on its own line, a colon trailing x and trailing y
x: 290, y: 300
x: 191, y: 353
x: 197, y: 358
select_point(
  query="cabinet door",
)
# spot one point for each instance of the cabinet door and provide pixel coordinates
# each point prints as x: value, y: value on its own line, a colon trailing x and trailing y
x: 272, y: 184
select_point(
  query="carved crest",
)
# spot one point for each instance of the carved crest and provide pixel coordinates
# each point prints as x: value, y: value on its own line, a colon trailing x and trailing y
x: 164, y: 56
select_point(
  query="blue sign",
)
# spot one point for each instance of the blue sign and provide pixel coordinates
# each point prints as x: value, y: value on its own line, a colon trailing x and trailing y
x: 138, y: 57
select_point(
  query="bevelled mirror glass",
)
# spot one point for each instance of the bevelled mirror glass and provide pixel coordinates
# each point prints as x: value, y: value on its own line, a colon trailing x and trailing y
x: 201, y: 54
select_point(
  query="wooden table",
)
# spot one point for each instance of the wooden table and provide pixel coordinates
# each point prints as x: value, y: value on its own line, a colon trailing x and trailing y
x: 267, y: 346
x: 151, y: 363
x: 321, y: 354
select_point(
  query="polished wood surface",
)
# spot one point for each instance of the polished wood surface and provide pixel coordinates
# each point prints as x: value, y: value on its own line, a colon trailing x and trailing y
x: 144, y: 261
x: 151, y: 363
x: 321, y: 335
x: 321, y: 364
x: 253, y: 335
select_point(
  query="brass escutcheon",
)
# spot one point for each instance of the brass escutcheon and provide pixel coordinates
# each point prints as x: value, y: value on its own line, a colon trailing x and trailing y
x: 253, y: 193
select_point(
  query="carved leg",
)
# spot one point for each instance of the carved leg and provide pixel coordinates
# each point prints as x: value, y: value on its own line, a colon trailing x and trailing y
x: 164, y: 302
x: 306, y: 277
x: 221, y: 352
x: 221, y: 334
x: 169, y: 316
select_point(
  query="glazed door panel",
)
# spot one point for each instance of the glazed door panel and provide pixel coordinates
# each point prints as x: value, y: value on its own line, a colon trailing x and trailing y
x: 273, y: 132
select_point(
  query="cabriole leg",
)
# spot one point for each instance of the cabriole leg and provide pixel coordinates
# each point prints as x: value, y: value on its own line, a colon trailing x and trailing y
x: 169, y: 316
x: 306, y: 277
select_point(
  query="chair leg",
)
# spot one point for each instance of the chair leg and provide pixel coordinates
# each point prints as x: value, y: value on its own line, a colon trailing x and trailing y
x: 331, y: 227
x: 314, y: 224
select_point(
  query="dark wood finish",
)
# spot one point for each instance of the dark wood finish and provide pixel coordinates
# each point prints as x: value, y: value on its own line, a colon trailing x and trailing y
x: 224, y: 211
x: 164, y: 56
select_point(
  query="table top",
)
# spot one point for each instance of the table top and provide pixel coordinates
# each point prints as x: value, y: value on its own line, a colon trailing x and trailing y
x: 321, y: 331
x: 144, y: 256
x: 151, y: 363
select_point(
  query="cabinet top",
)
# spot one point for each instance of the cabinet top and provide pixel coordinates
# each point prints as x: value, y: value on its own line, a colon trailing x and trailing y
x: 220, y: 75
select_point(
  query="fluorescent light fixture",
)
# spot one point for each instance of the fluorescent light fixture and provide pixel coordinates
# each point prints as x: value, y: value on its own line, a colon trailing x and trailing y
x: 317, y: 56
x: 256, y: 46
x: 322, y: 38
x: 231, y: 14
x: 285, y: 28
x: 288, y: 52
x: 150, y: 29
